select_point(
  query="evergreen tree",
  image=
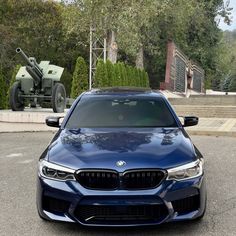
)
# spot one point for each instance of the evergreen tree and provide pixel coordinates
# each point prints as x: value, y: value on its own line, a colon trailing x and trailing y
x: 133, y: 77
x: 232, y: 85
x: 143, y: 79
x: 124, y: 74
x: 117, y: 75
x: 105, y: 79
x: 121, y: 73
x: 140, y: 79
x: 226, y: 83
x: 101, y: 76
x: 13, y: 79
x: 80, y: 78
x: 2, y: 91
x: 137, y: 79
x: 147, y: 80
x: 66, y: 80
x: 110, y: 73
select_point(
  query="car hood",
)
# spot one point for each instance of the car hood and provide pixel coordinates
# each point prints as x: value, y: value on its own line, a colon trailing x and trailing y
x: 139, y: 148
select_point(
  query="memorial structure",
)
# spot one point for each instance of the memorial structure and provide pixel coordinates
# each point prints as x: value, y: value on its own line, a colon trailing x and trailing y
x: 182, y: 74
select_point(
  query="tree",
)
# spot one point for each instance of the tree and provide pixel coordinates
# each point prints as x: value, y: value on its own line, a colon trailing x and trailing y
x: 120, y: 21
x: 80, y: 78
x: 37, y: 27
x: 66, y: 79
x: 232, y: 85
x: 13, y: 79
x: 117, y: 78
x: 101, y: 76
x: 137, y: 33
x: 2, y: 91
x: 110, y: 73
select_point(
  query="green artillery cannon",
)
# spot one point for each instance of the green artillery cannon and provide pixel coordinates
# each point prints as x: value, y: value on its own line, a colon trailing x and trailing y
x: 38, y: 84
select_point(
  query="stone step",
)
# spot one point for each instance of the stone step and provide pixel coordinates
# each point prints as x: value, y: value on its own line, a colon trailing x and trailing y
x: 210, y: 100
x: 206, y: 111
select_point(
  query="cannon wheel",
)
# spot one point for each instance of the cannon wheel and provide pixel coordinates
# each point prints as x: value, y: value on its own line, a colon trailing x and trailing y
x: 58, y: 98
x: 16, y: 102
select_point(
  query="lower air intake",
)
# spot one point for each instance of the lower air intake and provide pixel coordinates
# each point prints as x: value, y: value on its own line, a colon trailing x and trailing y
x: 121, y: 214
x: 186, y: 205
x: 55, y: 205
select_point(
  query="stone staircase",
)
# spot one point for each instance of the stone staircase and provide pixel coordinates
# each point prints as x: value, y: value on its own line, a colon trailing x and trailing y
x: 205, y: 106
x: 206, y: 111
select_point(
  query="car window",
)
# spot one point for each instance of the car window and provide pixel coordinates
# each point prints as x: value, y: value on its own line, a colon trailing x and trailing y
x: 106, y: 111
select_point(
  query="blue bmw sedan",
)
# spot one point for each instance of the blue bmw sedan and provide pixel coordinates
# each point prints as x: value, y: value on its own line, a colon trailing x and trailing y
x: 121, y: 157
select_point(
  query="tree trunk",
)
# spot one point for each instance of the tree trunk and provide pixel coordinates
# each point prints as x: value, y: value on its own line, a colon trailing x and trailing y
x: 139, y: 58
x: 112, y: 47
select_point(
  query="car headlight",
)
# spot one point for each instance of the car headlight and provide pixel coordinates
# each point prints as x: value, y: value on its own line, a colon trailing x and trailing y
x: 56, y: 172
x: 188, y: 171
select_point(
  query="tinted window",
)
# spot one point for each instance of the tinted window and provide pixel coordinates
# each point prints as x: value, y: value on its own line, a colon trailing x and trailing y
x: 110, y: 111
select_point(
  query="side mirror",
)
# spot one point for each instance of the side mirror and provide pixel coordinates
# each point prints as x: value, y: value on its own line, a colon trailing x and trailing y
x: 53, y: 121
x: 190, y: 121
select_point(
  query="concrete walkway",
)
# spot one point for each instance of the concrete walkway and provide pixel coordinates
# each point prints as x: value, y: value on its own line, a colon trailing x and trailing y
x: 33, y: 120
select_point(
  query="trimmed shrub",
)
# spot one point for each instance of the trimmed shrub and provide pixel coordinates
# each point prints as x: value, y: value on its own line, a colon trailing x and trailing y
x: 119, y: 74
x: 2, y: 91
x: 66, y: 80
x: 80, y: 78
x: 110, y: 73
x: 101, y: 78
x: 147, y: 80
x: 232, y: 85
x: 12, y: 80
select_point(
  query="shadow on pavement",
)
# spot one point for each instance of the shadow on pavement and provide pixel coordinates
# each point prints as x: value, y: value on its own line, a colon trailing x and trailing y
x: 175, y: 228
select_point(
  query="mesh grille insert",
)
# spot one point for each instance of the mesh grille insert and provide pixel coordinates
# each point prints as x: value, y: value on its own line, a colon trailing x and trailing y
x: 186, y: 205
x: 120, y: 214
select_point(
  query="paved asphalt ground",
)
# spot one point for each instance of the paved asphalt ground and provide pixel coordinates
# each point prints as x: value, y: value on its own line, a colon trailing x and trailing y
x: 19, y: 153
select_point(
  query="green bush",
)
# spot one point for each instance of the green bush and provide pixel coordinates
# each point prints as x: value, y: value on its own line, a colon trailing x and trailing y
x: 110, y: 73
x: 101, y: 75
x: 3, y: 93
x: 13, y: 79
x: 232, y: 85
x: 119, y: 74
x: 80, y: 78
x: 66, y: 80
x: 147, y: 80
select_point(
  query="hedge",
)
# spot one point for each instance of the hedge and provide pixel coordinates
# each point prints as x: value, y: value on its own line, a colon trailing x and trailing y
x: 119, y: 74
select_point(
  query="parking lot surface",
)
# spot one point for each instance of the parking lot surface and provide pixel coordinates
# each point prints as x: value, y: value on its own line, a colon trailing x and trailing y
x: 19, y: 153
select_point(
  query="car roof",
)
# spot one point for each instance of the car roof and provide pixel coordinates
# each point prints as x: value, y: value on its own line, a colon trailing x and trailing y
x: 123, y: 90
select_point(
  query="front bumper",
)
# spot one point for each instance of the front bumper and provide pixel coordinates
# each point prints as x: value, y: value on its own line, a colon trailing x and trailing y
x: 171, y: 201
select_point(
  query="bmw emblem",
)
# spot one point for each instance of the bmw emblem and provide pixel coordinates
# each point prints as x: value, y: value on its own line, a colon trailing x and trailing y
x: 120, y: 163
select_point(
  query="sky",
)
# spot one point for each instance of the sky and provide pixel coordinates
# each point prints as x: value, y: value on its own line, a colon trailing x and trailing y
x: 224, y: 26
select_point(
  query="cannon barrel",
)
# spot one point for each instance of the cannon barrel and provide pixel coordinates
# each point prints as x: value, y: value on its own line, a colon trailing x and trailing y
x: 26, y: 59
x: 32, y: 67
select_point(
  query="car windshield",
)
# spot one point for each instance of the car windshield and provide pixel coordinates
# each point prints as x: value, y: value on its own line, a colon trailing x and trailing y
x: 115, y: 111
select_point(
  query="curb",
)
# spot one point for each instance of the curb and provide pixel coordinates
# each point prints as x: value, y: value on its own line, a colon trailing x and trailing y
x: 27, y: 131
x: 36, y: 116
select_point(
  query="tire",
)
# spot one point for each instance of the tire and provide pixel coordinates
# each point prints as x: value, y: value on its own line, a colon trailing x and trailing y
x: 16, y: 103
x: 58, y: 98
